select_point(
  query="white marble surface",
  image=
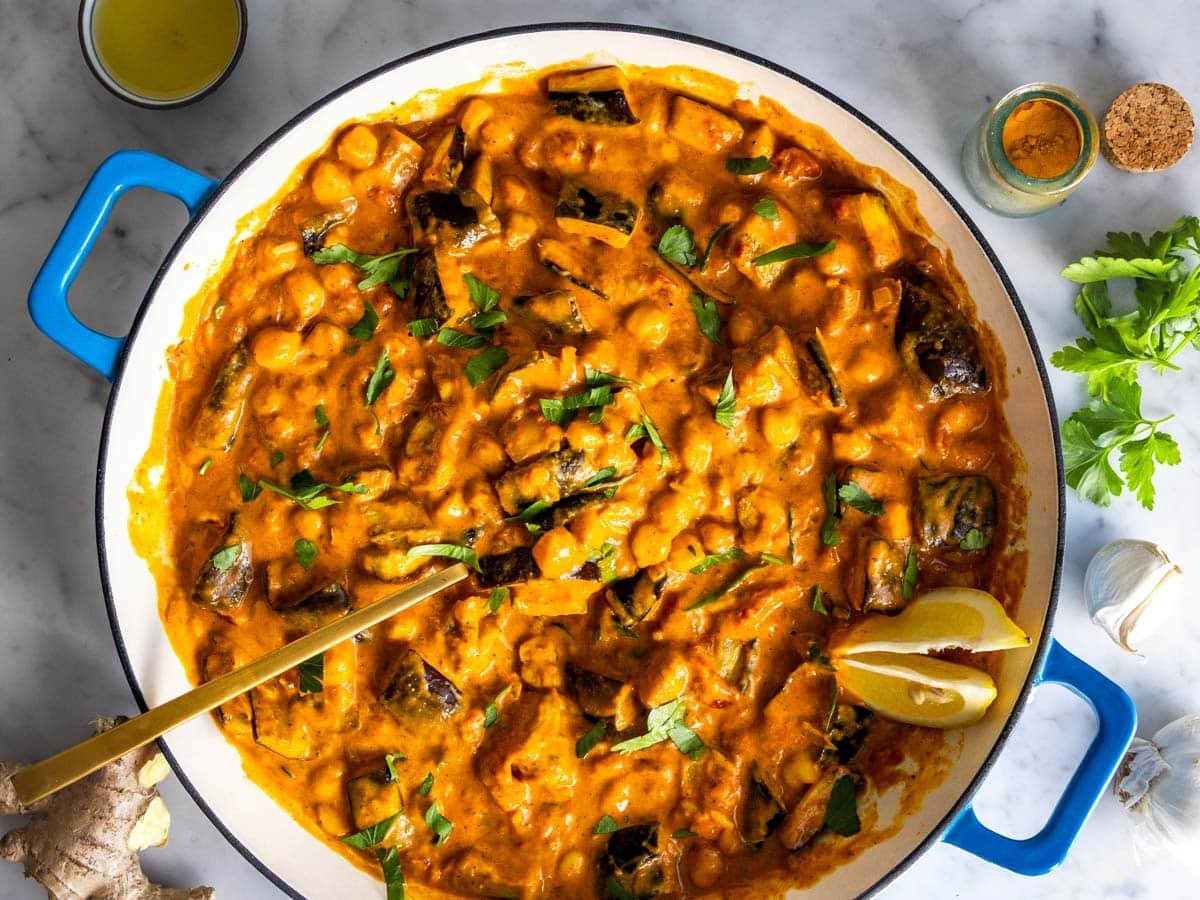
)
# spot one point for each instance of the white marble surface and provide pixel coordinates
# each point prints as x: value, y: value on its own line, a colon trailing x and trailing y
x: 923, y: 71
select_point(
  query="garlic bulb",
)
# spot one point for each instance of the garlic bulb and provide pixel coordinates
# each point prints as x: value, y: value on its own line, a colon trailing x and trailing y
x: 1159, y: 782
x: 1129, y: 587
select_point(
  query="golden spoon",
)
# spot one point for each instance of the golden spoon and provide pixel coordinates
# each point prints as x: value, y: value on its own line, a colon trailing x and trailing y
x: 44, y: 778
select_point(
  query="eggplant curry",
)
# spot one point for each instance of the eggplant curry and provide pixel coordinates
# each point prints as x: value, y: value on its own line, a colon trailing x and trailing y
x: 688, y: 389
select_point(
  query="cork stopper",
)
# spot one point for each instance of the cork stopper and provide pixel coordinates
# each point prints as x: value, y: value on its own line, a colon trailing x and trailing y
x: 1148, y: 127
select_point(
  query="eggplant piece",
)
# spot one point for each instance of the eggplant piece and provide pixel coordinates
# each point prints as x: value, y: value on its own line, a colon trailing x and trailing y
x: 596, y: 96
x: 817, y: 351
x: 456, y: 216
x: 512, y: 567
x: 319, y: 607
x: 702, y: 127
x: 557, y: 310
x: 884, y: 590
x: 558, y: 259
x: 634, y: 598
x: 314, y: 229
x: 848, y: 730
x: 235, y: 716
x: 281, y: 722
x: 418, y: 690
x: 425, y: 288
x: 954, y: 505
x: 548, y: 478
x: 474, y: 873
x: 216, y: 426
x: 566, y: 510
x: 632, y: 859
x: 605, y: 216
x: 373, y: 798
x: 223, y: 590
x: 446, y: 162
x: 807, y: 817
x: 937, y: 343
x: 763, y: 811
x: 596, y: 694
x: 736, y: 663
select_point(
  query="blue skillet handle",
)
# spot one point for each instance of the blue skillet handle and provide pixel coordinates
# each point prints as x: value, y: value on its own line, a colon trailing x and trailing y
x: 48, y: 297
x: 1039, y: 854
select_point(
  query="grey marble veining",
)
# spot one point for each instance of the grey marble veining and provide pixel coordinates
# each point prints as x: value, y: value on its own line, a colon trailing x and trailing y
x: 924, y: 71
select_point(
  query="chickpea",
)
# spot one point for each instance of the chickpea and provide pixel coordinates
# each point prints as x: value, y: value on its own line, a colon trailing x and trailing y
x: 589, y: 529
x: 330, y: 183
x: 780, y: 425
x: 305, y: 293
x: 336, y: 279
x: 718, y: 537
x: 799, y: 770
x: 498, y: 135
x: 543, y: 659
x: 685, y: 552
x: 705, y: 865
x: 268, y: 401
x: 869, y: 366
x: 697, y: 449
x: 650, y: 545
x: 571, y: 866
x: 649, y: 324
x: 850, y: 446
x: 557, y: 553
x: 358, y: 147
x: 745, y: 324
x: 519, y: 229
x: 325, y: 340
x: 275, y: 260
x: 961, y: 417
x: 275, y: 348
x: 843, y: 259
x: 663, y: 677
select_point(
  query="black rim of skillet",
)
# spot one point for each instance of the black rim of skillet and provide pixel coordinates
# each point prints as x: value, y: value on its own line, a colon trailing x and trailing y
x: 105, y: 78
x: 1038, y: 660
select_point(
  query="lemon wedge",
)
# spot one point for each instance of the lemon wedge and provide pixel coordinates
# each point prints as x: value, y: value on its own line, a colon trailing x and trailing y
x: 918, y: 690
x: 936, y: 620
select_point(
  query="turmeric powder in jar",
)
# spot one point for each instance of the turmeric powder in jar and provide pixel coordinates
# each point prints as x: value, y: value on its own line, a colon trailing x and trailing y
x: 1042, y: 139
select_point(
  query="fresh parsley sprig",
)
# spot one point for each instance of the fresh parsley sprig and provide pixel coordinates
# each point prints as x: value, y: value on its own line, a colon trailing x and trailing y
x: 663, y: 723
x: 381, y: 269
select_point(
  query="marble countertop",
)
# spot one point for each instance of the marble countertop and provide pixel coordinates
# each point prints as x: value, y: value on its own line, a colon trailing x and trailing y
x: 924, y: 74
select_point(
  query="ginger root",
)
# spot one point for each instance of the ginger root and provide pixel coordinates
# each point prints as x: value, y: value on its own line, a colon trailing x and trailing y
x: 83, y: 841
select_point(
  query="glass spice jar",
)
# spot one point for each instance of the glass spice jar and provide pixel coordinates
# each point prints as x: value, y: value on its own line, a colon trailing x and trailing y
x: 1007, y: 181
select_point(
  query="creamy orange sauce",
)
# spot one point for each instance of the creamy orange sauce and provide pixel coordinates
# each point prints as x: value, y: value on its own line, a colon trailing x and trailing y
x: 860, y: 365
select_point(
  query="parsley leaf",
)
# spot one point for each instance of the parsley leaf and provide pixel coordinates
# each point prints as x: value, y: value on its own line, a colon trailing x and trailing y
x: 715, y: 559
x: 307, y: 492
x: 663, y: 723
x: 423, y: 328
x: 678, y: 245
x: 438, y: 824
x: 767, y: 208
x: 974, y: 539
x: 908, y: 586
x: 393, y: 875
x: 224, y: 558
x: 312, y: 673
x: 460, y: 339
x: 496, y: 599
x: 377, y: 269
x: 484, y: 364
x: 562, y: 412
x: 712, y: 242
x: 306, y: 552
x: 249, y: 489
x: 841, y: 815
x: 606, y: 825
x: 818, y: 601
x: 798, y: 250
x: 276, y: 458
x: 707, y: 316
x: 615, y: 890
x: 682, y: 834
x: 747, y: 165
x: 726, y: 410
x: 365, y: 326
x: 664, y: 455
x: 383, y: 375
x: 590, y: 739
x: 320, y: 416
x: 857, y: 498
x: 426, y: 785
x: 390, y: 760
x: 829, y: 528
x: 491, y: 714
x: 482, y: 294
x: 372, y: 834
x: 451, y: 551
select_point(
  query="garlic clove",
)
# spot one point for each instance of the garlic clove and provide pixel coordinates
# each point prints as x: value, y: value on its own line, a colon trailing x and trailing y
x: 1130, y: 587
x: 1159, y: 784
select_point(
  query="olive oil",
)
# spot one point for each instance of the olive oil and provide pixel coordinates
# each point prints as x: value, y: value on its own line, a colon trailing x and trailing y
x: 166, y: 49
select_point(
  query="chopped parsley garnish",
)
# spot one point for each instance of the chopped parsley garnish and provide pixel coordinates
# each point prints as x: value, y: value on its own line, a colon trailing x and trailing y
x: 829, y: 528
x: 308, y: 493
x: 726, y: 410
x: 312, y: 673
x: 818, y: 601
x: 616, y: 891
x: 276, y: 458
x: 563, y: 411
x: 393, y: 875
x: 496, y: 599
x: 529, y: 513
x: 320, y: 416
x: 224, y: 558
x: 377, y: 269
x: 460, y: 339
x: 974, y: 539
x: 771, y: 559
x: 663, y: 723
x: 423, y: 328
x: 383, y: 375
x: 452, y: 551
x: 606, y: 825
x: 426, y: 785
x: 205, y: 466
x: 365, y: 326
x: 306, y: 552
x: 712, y: 242
x: 908, y: 586
x: 715, y: 559
x: 486, y: 320
x: 590, y: 739
x: 683, y: 834
x: 604, y: 475
x: 664, y: 456
x: 321, y: 442
x: 747, y: 165
x: 484, y: 364
x: 841, y: 815
x: 438, y: 824
x: 372, y: 834
x: 707, y: 316
x: 596, y: 378
x: 728, y: 587
x: 767, y: 209
x: 678, y: 245
x: 483, y: 295
x: 491, y: 714
x: 249, y: 489
x: 857, y: 498
x: 798, y: 250
x: 390, y: 761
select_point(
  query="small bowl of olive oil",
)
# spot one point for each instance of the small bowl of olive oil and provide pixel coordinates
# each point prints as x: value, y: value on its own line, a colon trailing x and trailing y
x: 162, y: 53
